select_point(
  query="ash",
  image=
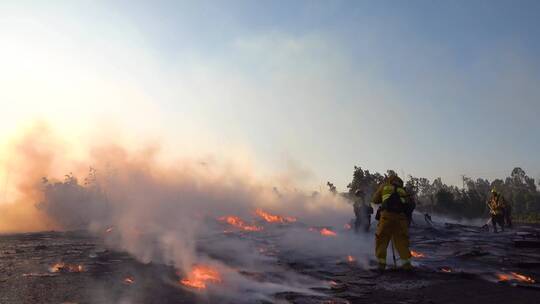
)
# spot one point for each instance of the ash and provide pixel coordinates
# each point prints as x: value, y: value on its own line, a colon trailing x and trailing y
x: 455, y: 264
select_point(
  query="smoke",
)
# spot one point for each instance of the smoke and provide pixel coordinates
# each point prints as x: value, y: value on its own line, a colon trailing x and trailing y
x: 168, y: 211
x: 26, y: 160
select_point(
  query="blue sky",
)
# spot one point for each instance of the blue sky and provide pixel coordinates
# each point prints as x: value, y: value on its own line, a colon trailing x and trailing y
x: 429, y: 88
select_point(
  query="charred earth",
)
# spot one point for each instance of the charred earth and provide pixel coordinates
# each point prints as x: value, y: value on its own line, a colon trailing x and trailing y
x: 454, y: 264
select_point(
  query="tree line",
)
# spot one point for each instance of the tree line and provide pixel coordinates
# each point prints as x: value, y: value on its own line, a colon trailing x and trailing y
x: 468, y: 201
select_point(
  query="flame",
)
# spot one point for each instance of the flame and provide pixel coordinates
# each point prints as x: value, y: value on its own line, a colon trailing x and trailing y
x: 327, y: 232
x: 270, y: 218
x: 200, y: 275
x: 416, y: 254
x: 350, y: 259
x: 522, y: 278
x: 446, y: 269
x: 502, y: 277
x: 324, y: 231
x: 239, y: 223
x: 129, y: 280
x: 63, y: 267
x: 56, y: 267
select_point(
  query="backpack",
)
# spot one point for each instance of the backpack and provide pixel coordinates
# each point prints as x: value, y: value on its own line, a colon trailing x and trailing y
x: 393, y: 203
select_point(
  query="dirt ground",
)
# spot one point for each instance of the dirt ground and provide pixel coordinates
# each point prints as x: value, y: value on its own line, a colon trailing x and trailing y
x: 461, y: 264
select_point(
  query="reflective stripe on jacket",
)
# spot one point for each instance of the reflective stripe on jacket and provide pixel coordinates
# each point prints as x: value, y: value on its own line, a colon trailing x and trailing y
x: 385, y: 190
x: 389, y: 189
x: 496, y: 205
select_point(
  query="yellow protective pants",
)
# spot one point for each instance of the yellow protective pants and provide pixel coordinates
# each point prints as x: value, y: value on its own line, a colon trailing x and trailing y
x: 395, y: 227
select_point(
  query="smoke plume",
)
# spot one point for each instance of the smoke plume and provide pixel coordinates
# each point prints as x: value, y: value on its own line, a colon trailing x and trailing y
x: 159, y: 211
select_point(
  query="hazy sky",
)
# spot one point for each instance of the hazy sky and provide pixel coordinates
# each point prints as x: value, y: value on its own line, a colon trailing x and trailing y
x: 429, y: 88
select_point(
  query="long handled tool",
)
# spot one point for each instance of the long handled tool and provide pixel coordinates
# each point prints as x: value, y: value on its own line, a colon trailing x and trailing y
x: 393, y: 253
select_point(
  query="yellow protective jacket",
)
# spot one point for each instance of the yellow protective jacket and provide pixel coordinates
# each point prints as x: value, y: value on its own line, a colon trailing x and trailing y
x: 385, y: 190
x: 392, y: 226
x: 496, y: 205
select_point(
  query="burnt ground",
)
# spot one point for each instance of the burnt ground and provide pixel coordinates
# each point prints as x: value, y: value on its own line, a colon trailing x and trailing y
x: 461, y: 265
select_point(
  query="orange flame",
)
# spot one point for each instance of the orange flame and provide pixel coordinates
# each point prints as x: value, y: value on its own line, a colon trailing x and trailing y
x: 63, y: 267
x: 416, y: 254
x: 239, y: 223
x: 446, y: 269
x: 503, y: 277
x: 515, y: 276
x: 271, y: 218
x: 350, y: 259
x: 523, y: 278
x: 327, y: 232
x: 129, y: 280
x: 200, y: 275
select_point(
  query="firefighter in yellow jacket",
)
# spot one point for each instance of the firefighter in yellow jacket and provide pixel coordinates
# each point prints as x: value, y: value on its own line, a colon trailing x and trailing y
x: 393, y: 222
x: 497, y: 208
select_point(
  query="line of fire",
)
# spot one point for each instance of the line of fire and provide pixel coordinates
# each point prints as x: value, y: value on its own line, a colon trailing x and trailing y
x: 439, y: 251
x: 269, y: 152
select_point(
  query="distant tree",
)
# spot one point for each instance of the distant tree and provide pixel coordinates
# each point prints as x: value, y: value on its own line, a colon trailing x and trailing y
x: 364, y: 181
x: 470, y: 201
x: 445, y: 200
x: 331, y: 188
x: 519, y: 180
x: 391, y: 173
x: 72, y: 204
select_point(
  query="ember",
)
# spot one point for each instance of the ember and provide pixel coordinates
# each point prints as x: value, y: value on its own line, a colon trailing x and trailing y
x: 327, y: 232
x: 324, y: 231
x: 523, y: 278
x: 239, y: 223
x: 63, y: 267
x: 129, y: 280
x: 513, y: 276
x: 503, y: 277
x: 199, y: 276
x: 416, y: 254
x: 446, y: 269
x: 270, y: 218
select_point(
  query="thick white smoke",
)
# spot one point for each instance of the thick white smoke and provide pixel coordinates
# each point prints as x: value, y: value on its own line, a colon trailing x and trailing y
x: 168, y: 212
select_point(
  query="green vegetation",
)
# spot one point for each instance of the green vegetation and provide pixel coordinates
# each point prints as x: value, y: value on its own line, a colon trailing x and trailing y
x: 468, y: 202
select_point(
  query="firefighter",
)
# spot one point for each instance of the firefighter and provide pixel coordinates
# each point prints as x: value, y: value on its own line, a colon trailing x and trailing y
x: 362, y: 212
x: 427, y: 218
x: 368, y: 212
x: 411, y: 204
x: 496, y: 207
x: 393, y: 224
